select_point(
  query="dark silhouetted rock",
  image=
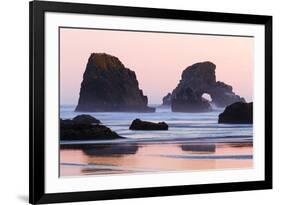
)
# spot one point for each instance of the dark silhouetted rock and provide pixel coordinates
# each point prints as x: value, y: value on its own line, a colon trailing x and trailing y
x: 196, y: 80
x: 167, y: 99
x: 85, y: 119
x: 138, y: 124
x: 237, y: 113
x: 108, y: 86
x: 73, y: 130
x: 222, y: 95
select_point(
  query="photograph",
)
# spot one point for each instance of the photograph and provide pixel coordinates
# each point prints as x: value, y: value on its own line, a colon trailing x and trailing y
x: 136, y: 102
x: 133, y: 102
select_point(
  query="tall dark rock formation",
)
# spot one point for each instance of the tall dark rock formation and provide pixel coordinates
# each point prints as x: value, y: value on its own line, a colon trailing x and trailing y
x: 196, y: 80
x: 166, y: 100
x: 108, y: 86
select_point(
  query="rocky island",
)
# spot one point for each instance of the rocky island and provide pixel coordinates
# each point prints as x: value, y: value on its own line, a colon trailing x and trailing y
x: 108, y: 86
x: 138, y: 124
x: 196, y: 80
x: 85, y: 127
x: 237, y: 113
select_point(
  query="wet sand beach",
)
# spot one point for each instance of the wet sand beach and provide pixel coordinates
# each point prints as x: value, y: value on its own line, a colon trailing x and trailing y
x: 154, y: 157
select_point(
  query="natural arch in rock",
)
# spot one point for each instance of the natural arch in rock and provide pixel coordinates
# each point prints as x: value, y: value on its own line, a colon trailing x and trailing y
x: 207, y: 97
x: 196, y: 80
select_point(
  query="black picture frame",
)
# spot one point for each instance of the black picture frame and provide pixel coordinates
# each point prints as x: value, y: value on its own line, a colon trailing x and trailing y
x: 37, y: 194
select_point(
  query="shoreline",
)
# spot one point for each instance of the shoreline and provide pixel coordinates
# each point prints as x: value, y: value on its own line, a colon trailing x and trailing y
x: 193, y: 142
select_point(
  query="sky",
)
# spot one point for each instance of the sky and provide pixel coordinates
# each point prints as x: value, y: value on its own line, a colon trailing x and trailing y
x: 158, y: 59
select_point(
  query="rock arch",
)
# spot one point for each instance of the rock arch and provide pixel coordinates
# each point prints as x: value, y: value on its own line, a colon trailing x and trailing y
x: 196, y: 80
x: 207, y: 96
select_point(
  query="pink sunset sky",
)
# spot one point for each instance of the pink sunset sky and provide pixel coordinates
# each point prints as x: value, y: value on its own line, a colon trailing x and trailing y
x: 157, y: 58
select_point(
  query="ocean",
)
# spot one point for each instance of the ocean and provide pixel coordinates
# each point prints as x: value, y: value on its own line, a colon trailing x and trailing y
x: 191, y: 138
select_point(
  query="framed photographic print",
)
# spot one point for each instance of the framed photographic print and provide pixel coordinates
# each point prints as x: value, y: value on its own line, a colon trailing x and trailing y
x: 140, y: 102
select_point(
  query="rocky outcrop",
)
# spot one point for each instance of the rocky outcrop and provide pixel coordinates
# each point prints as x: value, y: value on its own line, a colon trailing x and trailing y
x: 223, y: 95
x: 85, y: 119
x: 196, y: 80
x: 108, y: 86
x: 167, y: 99
x: 77, y: 130
x: 237, y: 113
x: 138, y: 124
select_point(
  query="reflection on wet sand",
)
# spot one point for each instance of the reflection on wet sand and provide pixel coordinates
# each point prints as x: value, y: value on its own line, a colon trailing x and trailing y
x: 111, y: 149
x: 245, y: 144
x: 153, y: 157
x: 199, y: 148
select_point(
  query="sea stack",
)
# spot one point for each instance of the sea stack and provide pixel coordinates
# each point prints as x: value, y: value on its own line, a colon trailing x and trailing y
x: 166, y: 100
x: 197, y: 80
x: 237, y: 113
x: 84, y: 127
x: 138, y: 124
x: 108, y: 86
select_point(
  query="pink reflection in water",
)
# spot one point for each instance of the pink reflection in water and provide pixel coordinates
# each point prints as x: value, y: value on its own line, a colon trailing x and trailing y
x: 152, y: 158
